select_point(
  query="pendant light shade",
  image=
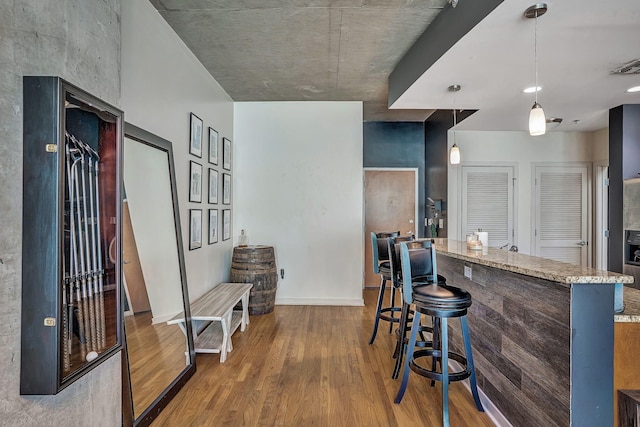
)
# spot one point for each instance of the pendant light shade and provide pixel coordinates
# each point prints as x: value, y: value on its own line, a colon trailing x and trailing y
x: 537, y: 121
x: 454, y: 155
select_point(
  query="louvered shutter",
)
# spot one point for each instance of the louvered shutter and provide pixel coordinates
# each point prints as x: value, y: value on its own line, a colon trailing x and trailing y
x: 487, y: 202
x: 561, y: 213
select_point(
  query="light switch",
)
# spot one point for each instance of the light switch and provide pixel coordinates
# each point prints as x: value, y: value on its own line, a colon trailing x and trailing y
x: 441, y: 223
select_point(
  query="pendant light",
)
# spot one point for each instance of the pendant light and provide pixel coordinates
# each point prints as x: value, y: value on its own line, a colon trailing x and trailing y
x: 454, y: 154
x: 537, y: 121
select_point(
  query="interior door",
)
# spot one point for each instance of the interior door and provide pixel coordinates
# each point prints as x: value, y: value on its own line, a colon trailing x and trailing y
x: 134, y: 279
x: 487, y: 203
x: 389, y: 205
x: 562, y: 213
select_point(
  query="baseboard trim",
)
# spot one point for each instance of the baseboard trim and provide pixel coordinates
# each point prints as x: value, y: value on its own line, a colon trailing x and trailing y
x: 355, y: 302
x: 490, y: 409
x: 162, y: 319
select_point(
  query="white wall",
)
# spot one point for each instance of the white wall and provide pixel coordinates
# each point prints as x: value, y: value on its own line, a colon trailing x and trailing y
x: 600, y: 142
x: 162, y: 83
x: 523, y: 150
x: 299, y: 187
x: 148, y: 188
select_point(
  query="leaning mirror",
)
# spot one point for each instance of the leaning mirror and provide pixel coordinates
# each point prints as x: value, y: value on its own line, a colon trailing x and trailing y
x: 155, y: 286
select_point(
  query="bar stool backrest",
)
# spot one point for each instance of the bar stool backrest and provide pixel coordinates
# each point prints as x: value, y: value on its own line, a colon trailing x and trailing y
x: 379, y: 248
x: 393, y: 247
x: 418, y: 259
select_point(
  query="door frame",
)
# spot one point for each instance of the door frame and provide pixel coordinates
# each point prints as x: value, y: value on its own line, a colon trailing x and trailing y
x: 364, y: 223
x: 601, y: 209
x: 590, y: 207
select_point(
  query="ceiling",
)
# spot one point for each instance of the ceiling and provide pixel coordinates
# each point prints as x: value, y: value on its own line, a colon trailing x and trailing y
x: 303, y: 50
x: 345, y: 50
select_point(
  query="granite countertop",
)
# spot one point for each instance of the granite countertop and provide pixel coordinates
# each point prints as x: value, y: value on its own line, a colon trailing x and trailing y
x: 631, y: 312
x: 530, y: 265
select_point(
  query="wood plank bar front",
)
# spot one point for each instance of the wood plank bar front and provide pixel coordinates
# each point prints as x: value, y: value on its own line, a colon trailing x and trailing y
x: 541, y: 332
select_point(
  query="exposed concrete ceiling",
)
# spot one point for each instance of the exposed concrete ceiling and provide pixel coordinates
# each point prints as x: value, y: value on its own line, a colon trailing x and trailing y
x: 298, y: 50
x: 579, y: 43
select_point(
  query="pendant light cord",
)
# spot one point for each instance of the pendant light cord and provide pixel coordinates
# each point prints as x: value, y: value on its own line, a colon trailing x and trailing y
x: 535, y: 53
x: 455, y: 121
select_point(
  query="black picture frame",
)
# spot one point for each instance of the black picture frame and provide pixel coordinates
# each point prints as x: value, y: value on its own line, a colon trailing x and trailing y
x: 195, y: 229
x: 213, y: 186
x: 195, y: 135
x: 226, y: 224
x: 226, y: 189
x: 213, y: 226
x: 195, y: 182
x: 226, y: 154
x: 213, y: 146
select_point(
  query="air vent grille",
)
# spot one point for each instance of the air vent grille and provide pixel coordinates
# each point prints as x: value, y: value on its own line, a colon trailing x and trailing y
x: 631, y: 67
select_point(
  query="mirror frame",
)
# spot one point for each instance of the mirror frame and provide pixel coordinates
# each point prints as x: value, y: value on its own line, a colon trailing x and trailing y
x: 150, y: 413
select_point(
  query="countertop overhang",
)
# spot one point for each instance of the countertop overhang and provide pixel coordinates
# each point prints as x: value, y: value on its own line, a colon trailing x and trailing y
x: 529, y: 265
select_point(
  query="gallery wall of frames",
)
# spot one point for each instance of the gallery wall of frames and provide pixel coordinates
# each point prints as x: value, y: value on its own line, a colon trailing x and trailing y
x: 210, y: 170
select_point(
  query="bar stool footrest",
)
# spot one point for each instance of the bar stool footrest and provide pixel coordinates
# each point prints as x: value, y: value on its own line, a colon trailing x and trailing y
x: 428, y: 373
x: 390, y: 310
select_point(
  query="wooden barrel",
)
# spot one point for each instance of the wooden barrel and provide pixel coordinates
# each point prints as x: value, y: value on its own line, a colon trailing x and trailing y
x: 257, y: 265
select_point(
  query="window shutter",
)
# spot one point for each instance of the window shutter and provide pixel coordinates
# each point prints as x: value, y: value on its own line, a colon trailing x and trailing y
x: 488, y: 202
x: 561, y: 213
x: 560, y: 206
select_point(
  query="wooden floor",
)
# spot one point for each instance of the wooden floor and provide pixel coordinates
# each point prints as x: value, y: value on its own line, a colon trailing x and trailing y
x: 312, y: 366
x: 156, y: 357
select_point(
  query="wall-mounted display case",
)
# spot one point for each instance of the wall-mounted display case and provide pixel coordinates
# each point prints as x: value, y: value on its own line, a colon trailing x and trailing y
x: 71, y: 245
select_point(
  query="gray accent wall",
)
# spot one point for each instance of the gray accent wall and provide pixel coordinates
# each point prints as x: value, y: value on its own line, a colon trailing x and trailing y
x: 624, y: 164
x: 78, y: 40
x: 398, y: 145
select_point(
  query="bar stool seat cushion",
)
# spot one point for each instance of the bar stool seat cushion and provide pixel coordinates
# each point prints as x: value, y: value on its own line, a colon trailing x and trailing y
x: 442, y: 298
x: 385, y: 267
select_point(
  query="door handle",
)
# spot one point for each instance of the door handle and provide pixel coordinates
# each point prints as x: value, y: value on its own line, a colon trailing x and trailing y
x: 581, y: 243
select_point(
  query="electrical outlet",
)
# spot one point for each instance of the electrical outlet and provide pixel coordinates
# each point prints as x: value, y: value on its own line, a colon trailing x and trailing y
x: 467, y: 271
x: 441, y: 223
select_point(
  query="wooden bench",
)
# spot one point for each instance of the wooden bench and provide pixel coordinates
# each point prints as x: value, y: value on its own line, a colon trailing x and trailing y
x: 214, y: 320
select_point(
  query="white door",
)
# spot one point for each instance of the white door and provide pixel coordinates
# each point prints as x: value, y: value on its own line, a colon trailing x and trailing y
x: 487, y: 203
x: 562, y: 213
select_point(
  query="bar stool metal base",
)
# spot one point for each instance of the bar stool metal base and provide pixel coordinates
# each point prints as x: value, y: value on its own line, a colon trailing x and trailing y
x: 441, y: 302
x: 385, y: 313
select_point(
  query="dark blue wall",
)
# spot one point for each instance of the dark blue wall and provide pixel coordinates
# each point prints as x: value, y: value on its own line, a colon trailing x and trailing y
x: 398, y: 145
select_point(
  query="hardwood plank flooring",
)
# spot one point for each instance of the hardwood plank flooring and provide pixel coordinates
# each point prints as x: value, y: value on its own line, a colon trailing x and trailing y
x: 156, y: 357
x: 312, y: 366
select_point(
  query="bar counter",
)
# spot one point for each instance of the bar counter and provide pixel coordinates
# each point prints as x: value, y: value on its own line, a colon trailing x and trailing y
x: 542, y: 333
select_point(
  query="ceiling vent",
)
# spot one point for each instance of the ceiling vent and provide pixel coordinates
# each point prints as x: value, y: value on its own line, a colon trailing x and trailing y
x: 631, y: 67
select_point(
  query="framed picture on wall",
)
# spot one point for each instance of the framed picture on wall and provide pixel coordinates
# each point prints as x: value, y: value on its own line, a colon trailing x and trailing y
x: 213, y: 186
x: 213, y: 226
x: 195, y: 136
x: 226, y: 154
x: 195, y: 182
x: 226, y: 189
x: 195, y: 228
x: 226, y: 224
x: 213, y: 146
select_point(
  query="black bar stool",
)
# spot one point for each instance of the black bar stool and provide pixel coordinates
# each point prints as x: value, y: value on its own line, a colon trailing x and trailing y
x: 382, y: 267
x: 421, y: 273
x: 441, y: 302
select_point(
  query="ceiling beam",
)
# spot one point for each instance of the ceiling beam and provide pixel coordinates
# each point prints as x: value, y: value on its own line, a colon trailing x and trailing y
x: 447, y: 28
